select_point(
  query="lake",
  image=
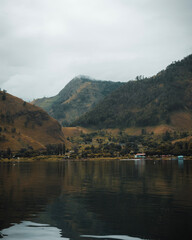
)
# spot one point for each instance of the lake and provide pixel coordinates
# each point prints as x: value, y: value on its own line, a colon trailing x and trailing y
x: 126, y: 200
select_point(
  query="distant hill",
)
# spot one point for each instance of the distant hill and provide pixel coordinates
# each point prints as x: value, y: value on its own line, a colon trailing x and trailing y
x: 76, y: 98
x: 25, y: 126
x: 162, y: 99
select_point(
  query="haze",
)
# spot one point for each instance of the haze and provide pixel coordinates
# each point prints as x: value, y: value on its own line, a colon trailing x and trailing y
x: 45, y: 43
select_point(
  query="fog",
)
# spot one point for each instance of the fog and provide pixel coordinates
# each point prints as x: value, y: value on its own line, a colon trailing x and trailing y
x: 45, y: 43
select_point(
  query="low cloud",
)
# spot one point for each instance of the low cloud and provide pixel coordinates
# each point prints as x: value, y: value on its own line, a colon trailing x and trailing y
x: 44, y: 44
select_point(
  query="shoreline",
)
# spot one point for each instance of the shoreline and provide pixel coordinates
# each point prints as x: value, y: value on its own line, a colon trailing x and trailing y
x: 54, y: 158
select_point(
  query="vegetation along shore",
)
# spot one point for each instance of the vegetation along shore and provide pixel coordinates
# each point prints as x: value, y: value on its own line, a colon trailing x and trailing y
x: 92, y: 119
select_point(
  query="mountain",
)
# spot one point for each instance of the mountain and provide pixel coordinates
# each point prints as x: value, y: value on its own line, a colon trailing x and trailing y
x: 76, y: 98
x: 161, y: 99
x: 25, y: 126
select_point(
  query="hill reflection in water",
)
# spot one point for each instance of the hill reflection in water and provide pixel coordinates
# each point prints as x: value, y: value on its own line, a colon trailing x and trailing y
x: 143, y: 199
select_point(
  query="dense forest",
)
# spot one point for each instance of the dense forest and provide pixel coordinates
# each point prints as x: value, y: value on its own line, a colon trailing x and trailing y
x: 145, y: 101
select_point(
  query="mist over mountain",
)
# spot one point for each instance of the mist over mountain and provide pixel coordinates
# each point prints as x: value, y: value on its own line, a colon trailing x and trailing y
x: 79, y: 96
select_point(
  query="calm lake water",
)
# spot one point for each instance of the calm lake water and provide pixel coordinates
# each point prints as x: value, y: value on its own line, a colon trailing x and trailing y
x: 125, y: 200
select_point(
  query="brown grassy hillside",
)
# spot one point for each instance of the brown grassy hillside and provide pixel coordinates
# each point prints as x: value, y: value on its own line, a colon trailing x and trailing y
x: 23, y: 125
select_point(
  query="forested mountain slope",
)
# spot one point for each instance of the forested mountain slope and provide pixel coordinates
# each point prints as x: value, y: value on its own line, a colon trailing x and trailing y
x: 76, y: 98
x: 165, y: 98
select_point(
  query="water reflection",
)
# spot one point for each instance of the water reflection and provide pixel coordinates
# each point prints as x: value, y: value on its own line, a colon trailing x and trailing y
x: 121, y: 237
x: 180, y: 163
x: 140, y: 164
x: 30, y: 230
x: 138, y: 199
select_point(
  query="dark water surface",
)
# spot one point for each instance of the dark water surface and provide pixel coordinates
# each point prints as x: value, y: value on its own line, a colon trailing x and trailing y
x: 98, y: 199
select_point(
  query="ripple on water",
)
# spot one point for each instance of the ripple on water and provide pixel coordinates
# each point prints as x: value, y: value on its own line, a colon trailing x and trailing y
x: 121, y: 237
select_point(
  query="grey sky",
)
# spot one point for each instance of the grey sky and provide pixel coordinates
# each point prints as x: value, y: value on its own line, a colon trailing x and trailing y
x: 45, y: 43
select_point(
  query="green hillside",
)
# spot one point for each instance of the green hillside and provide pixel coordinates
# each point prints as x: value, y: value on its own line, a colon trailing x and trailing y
x: 161, y: 99
x: 76, y: 98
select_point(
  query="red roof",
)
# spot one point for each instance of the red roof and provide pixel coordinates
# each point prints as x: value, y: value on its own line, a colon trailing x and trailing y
x: 141, y: 154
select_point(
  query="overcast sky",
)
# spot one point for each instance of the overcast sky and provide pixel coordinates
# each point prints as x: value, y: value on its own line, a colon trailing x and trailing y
x: 45, y: 43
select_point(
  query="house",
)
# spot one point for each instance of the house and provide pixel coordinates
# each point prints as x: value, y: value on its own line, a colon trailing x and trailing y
x: 140, y: 155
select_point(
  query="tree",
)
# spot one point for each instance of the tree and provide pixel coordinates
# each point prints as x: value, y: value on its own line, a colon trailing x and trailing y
x: 4, y: 95
x: 140, y: 77
x: 13, y: 130
x: 166, y: 136
x: 143, y: 131
x: 9, y: 153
